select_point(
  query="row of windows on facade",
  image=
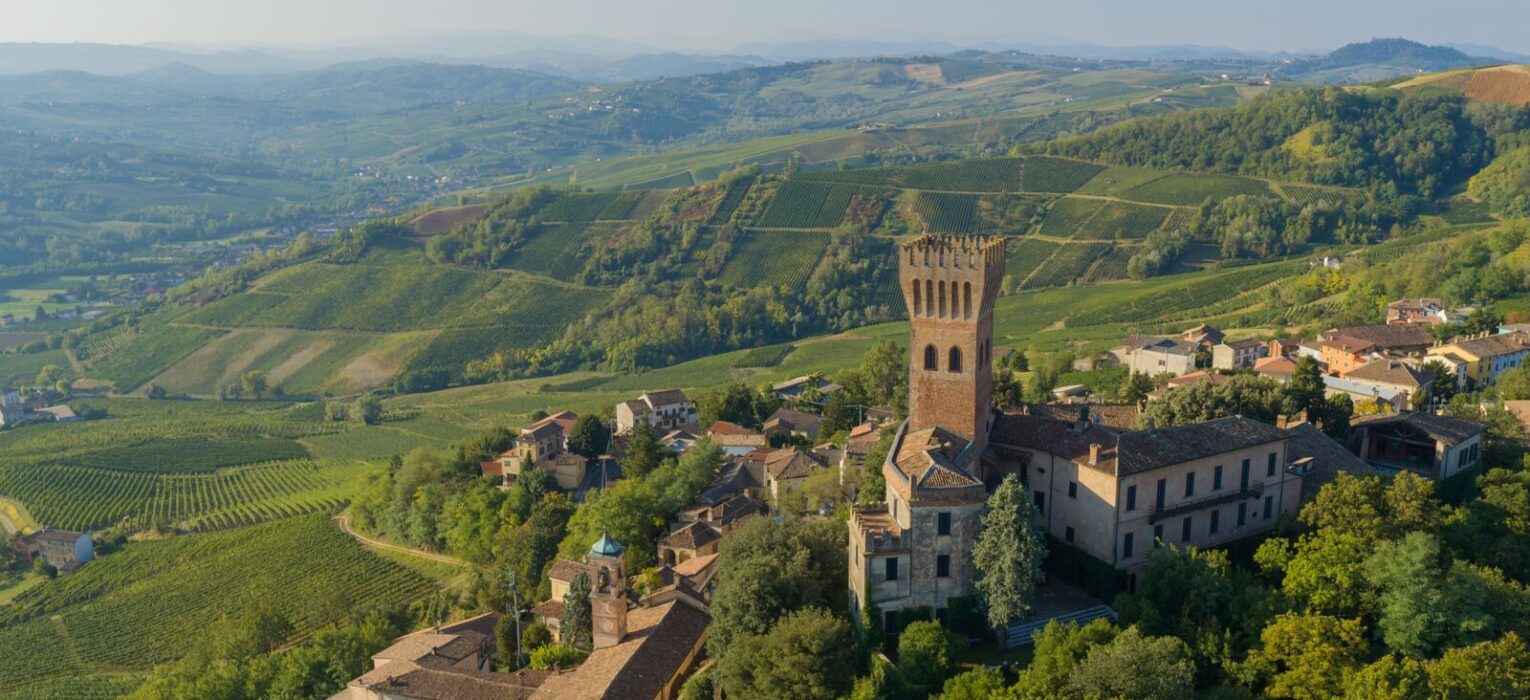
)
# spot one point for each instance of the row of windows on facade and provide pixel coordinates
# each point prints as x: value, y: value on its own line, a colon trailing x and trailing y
x: 1187, y: 527
x: 953, y: 357
x: 1163, y: 485
x: 942, y: 561
x: 930, y: 299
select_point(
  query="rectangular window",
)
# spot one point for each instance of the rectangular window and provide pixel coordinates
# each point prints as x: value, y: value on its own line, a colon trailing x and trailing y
x: 1126, y: 546
x: 1131, y: 498
x: 940, y: 616
x: 1163, y: 485
x: 1189, y: 484
x: 1242, y: 513
x: 1073, y: 489
x: 1158, y: 535
x: 1269, y: 467
x: 1041, y: 503
x: 1068, y: 535
x: 892, y: 569
x: 942, y: 565
x: 1184, y: 530
x: 1216, y: 517
x: 1243, y: 479
x: 1216, y: 478
x: 942, y: 523
x: 1269, y: 507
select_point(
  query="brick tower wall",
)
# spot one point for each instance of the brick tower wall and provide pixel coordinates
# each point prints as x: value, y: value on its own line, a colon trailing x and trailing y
x: 950, y: 284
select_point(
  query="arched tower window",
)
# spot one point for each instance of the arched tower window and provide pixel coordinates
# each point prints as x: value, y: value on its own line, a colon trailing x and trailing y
x: 954, y: 360
x: 929, y: 297
x: 942, y: 296
x: 966, y: 300
x: 917, y: 300
x: 931, y: 359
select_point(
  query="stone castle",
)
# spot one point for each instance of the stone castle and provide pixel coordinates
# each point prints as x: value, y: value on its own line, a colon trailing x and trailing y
x: 920, y: 540
x: 1099, y: 484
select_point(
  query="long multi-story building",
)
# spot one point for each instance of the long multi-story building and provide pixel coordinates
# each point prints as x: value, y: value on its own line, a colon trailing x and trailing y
x: 1111, y: 491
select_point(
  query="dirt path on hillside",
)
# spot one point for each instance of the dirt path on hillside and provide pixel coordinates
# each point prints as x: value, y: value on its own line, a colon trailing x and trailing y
x: 344, y: 521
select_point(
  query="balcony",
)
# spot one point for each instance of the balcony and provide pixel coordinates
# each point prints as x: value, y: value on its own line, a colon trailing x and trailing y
x: 1156, y: 513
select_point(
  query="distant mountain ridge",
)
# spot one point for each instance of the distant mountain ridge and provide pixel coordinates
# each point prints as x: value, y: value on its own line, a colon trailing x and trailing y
x: 1378, y: 59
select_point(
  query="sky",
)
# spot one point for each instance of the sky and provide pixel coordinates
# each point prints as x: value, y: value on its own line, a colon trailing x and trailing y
x: 718, y: 25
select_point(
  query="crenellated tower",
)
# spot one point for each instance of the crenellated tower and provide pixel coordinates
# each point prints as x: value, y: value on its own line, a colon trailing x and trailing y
x: 950, y: 284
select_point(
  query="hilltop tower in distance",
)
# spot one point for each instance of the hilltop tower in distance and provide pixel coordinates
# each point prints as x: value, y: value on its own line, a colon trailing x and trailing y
x: 950, y: 284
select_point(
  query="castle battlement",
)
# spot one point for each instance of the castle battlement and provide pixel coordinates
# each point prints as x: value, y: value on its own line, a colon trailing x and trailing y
x: 878, y: 531
x: 948, y: 252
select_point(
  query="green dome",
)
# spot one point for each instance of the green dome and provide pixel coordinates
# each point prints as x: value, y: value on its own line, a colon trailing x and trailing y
x: 607, y: 547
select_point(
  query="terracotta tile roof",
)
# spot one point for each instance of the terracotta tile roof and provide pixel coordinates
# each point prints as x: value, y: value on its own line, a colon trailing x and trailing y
x: 551, y: 608
x: 1387, y: 336
x: 1327, y: 457
x: 929, y: 458
x: 659, y: 641
x: 49, y: 534
x: 723, y: 427
x: 692, y: 536
x: 792, y: 463
x: 1048, y: 434
x: 1197, y: 377
x: 695, y: 565
x: 1274, y: 365
x: 409, y: 680
x: 491, y: 468
x: 1389, y: 371
x: 867, y: 428
x: 1145, y: 450
x: 1347, y: 344
x: 1495, y: 345
x: 733, y: 509
x: 665, y: 397
x: 432, y: 650
x: 568, y: 570
x: 1448, y: 429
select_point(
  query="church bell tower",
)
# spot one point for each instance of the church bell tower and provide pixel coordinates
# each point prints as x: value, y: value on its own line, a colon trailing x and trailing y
x: 950, y: 284
x: 608, y: 592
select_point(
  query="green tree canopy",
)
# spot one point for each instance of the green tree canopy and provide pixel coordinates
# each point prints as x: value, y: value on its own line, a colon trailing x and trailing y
x: 1009, y: 553
x: 806, y: 655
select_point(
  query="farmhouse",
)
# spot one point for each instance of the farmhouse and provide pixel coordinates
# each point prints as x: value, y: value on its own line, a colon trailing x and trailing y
x: 792, y: 389
x: 545, y: 444
x: 63, y: 549
x: 1397, y: 338
x: 788, y: 468
x: 1155, y: 356
x: 664, y: 410
x: 1425, y: 310
x: 1236, y: 354
x: 1203, y: 335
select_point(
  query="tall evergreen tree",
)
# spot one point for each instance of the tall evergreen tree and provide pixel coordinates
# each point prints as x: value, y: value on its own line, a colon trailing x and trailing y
x: 574, y: 628
x: 1307, y: 389
x: 1009, y: 553
x: 589, y: 436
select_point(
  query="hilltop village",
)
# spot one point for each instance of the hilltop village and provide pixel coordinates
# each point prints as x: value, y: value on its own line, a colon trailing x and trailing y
x: 1103, y: 485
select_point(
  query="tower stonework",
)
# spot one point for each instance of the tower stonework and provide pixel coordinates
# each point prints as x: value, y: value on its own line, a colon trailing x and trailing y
x: 608, y: 593
x: 950, y: 284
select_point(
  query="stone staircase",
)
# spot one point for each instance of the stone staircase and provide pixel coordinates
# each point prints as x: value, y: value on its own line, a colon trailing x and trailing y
x: 1020, y: 632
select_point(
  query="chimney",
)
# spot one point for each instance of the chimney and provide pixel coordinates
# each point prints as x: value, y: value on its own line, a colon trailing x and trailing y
x: 1094, y: 453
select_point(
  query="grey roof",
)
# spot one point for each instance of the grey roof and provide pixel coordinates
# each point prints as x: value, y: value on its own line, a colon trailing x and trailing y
x: 1389, y: 371
x: 665, y: 397
x: 1448, y: 429
x: 1145, y: 450
x: 1243, y: 344
x: 1328, y: 457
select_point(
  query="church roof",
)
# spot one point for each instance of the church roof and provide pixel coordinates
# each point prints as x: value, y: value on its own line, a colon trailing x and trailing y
x: 607, y: 547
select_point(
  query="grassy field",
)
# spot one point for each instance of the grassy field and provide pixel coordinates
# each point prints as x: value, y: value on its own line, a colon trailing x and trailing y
x: 154, y: 601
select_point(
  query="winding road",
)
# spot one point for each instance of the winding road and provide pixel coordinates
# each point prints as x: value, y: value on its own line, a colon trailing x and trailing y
x: 344, y: 521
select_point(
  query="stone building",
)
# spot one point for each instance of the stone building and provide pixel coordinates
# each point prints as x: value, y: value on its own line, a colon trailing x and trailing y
x: 915, y: 549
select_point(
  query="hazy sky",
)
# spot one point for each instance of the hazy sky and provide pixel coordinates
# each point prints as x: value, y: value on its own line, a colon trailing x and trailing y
x: 721, y: 24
